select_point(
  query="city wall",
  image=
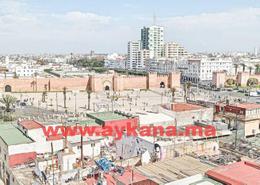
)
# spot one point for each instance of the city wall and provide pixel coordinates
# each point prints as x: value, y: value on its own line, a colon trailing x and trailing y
x: 96, y: 83
x: 219, y: 78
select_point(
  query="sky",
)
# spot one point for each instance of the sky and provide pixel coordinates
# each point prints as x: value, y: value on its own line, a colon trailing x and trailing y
x: 105, y: 26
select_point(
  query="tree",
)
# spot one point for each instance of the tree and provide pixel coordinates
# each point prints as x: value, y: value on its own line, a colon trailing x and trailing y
x: 244, y: 67
x: 8, y: 101
x: 173, y: 90
x: 230, y: 82
x: 257, y: 68
x: 187, y: 86
x: 252, y: 82
x: 33, y: 84
x: 250, y: 69
x: 236, y: 67
x: 89, y: 91
x: 64, y: 96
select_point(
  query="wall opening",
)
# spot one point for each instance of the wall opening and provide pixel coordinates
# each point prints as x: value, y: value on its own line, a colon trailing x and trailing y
x: 107, y: 88
x: 162, y: 85
x: 8, y: 88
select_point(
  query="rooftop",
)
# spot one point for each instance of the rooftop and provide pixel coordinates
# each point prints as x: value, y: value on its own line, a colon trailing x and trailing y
x: 169, y: 170
x: 198, y: 179
x: 128, y: 177
x: 107, y: 116
x: 237, y: 173
x: 154, y: 118
x: 12, y: 135
x: 180, y: 107
x: 30, y: 124
x: 248, y: 105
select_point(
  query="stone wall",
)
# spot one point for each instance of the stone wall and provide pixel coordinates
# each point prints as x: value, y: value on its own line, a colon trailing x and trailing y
x: 219, y: 78
x: 97, y: 83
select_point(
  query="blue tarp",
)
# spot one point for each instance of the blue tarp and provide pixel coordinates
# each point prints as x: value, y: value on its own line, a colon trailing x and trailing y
x: 104, y: 164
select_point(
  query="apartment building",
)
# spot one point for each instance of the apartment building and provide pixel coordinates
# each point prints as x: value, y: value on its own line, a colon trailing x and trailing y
x: 174, y: 50
x: 136, y: 56
x: 152, y: 39
x: 201, y: 69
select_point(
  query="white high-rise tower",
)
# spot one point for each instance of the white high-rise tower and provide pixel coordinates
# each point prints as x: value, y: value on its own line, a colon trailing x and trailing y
x: 152, y: 39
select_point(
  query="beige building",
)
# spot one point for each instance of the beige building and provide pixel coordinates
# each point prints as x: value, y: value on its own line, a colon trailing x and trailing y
x: 244, y: 116
x: 174, y: 50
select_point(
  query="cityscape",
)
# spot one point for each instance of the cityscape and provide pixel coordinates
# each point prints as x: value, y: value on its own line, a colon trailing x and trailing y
x: 119, y: 92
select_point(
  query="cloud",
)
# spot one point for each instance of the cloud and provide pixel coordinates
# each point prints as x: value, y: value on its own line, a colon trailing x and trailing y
x: 26, y: 29
x: 231, y: 30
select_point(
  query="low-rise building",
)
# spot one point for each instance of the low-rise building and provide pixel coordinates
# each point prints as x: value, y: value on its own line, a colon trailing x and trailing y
x: 186, y: 113
x: 200, y: 70
x: 245, y: 117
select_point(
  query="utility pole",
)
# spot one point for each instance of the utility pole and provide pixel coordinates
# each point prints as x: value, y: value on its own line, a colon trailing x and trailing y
x: 236, y: 131
x: 56, y: 101
x: 75, y: 103
x: 52, y: 153
x: 81, y: 147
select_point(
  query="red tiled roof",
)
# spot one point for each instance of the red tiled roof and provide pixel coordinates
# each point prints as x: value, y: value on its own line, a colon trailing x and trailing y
x: 239, y: 173
x: 30, y: 124
x: 179, y: 107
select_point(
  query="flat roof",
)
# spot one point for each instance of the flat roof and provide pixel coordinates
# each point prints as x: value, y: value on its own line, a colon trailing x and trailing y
x: 12, y: 135
x: 153, y: 118
x: 30, y: 124
x: 130, y: 176
x: 237, y: 173
x: 247, y: 105
x: 180, y: 107
x: 198, y: 179
x: 108, y: 116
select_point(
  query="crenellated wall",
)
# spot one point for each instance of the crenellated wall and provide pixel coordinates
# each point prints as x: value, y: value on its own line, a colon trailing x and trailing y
x: 97, y: 83
x: 219, y: 78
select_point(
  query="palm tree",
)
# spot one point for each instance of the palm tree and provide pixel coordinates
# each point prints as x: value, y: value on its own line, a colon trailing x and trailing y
x: 33, y: 84
x: 89, y: 91
x: 8, y: 101
x: 65, y: 96
x: 173, y: 90
x: 186, y: 88
x: 236, y: 67
x: 257, y: 68
x: 244, y: 67
x: 250, y: 69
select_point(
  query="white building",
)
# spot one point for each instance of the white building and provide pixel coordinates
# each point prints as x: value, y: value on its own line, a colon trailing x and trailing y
x: 174, y: 50
x: 152, y: 39
x: 24, y: 70
x: 136, y: 56
x: 201, y: 70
